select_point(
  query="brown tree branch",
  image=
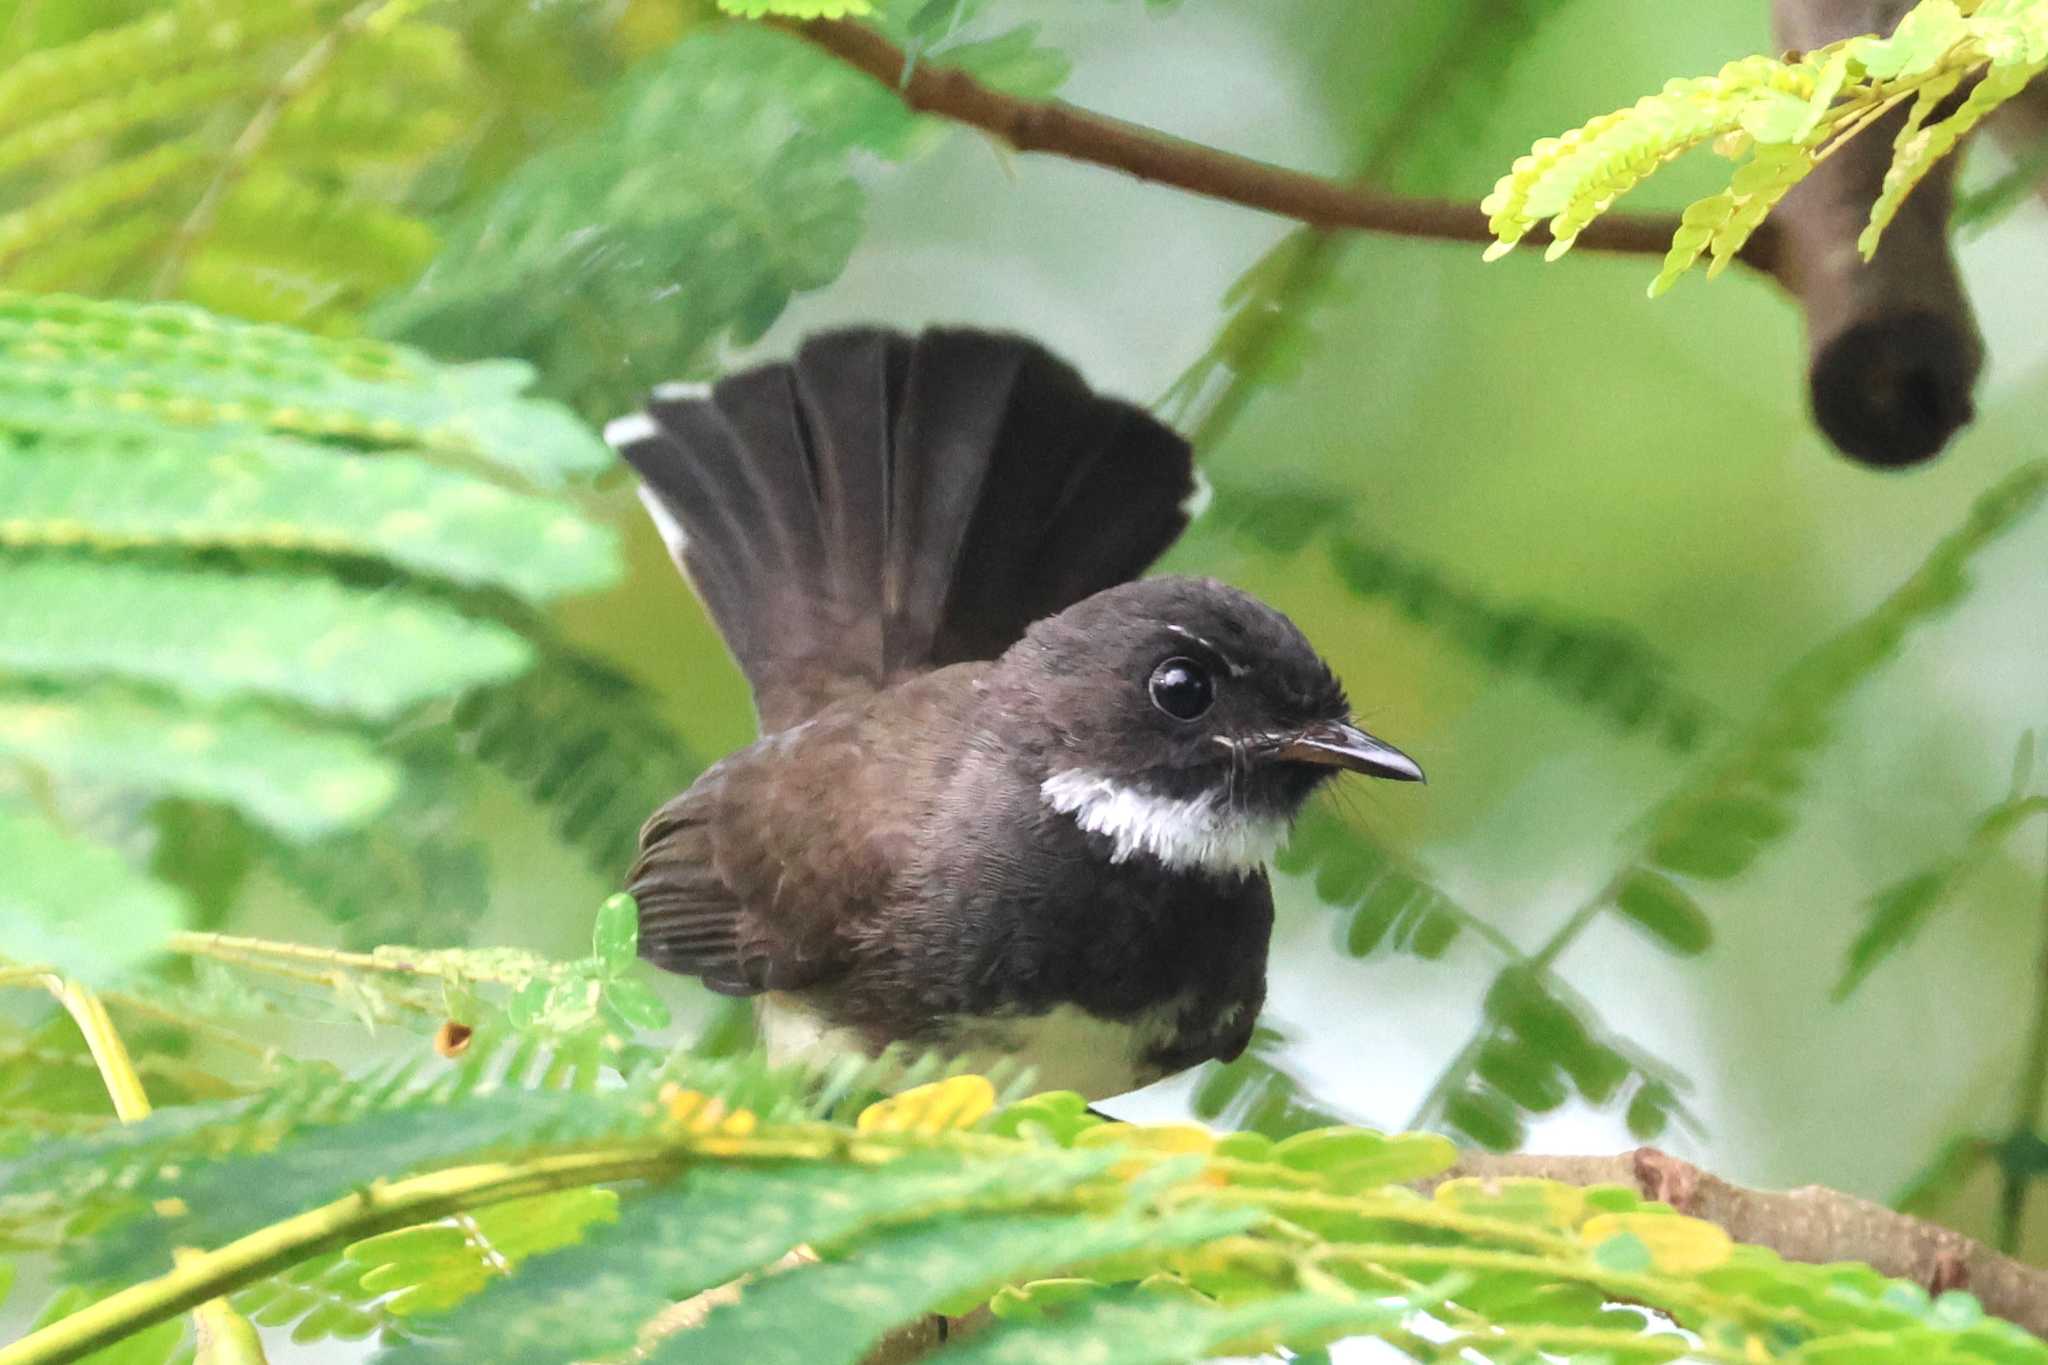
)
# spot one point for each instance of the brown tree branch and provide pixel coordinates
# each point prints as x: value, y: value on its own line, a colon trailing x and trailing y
x: 1810, y: 1224
x: 1061, y: 129
x: 1893, y: 347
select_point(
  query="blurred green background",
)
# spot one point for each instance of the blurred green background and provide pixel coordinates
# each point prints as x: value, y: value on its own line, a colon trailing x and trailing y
x: 1542, y: 435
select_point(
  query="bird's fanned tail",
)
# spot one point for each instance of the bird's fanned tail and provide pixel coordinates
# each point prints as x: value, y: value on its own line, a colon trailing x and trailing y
x: 883, y: 504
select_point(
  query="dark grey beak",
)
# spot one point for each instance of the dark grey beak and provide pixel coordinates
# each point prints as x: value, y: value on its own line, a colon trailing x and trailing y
x: 1337, y: 744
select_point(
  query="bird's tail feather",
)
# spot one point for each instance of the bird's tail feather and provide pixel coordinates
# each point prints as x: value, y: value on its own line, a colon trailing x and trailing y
x: 884, y: 504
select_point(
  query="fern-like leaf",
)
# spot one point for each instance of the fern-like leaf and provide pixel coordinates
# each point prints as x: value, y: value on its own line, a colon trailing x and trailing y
x: 1742, y: 801
x: 250, y: 492
x: 719, y: 228
x: 295, y: 779
x: 73, y: 906
x: 1899, y: 911
x: 218, y: 636
x: 1778, y: 119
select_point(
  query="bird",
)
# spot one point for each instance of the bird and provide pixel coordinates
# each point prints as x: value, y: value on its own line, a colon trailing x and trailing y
x: 1011, y: 799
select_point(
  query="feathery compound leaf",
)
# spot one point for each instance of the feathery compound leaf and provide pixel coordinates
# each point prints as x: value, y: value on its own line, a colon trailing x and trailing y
x: 269, y: 152
x: 834, y: 1313
x: 73, y: 906
x: 1899, y: 911
x: 1141, y: 1328
x: 1597, y: 665
x: 797, y: 9
x: 1742, y: 801
x: 1593, y: 664
x: 273, y: 493
x: 297, y: 781
x: 723, y: 224
x: 585, y: 742
x: 1390, y: 902
x: 73, y: 369
x: 1782, y: 116
x: 221, y: 635
x: 718, y: 227
x: 434, y: 1266
x: 714, y: 1226
x: 320, y: 1300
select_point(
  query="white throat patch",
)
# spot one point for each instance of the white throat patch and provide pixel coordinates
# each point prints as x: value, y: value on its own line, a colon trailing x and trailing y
x: 1198, y: 832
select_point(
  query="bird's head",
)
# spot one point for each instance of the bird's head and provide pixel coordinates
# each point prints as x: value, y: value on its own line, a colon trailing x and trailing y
x: 1188, y: 721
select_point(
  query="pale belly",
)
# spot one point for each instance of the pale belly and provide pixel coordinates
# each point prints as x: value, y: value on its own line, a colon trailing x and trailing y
x: 1066, y: 1047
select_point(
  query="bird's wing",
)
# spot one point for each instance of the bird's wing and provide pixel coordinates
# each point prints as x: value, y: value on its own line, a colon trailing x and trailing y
x: 763, y: 875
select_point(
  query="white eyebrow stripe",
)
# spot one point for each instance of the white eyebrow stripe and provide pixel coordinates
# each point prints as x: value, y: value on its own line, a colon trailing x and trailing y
x: 1235, y: 669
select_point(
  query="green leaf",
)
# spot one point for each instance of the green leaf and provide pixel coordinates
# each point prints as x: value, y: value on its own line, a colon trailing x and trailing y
x: 219, y: 635
x: 224, y: 1199
x: 833, y: 1313
x: 715, y: 1226
x: 797, y: 9
x: 1129, y: 1330
x: 78, y: 369
x: 1667, y: 913
x: 636, y: 1002
x: 251, y: 492
x: 298, y: 781
x: 722, y: 226
x: 432, y: 1267
x: 1649, y: 1111
x: 1624, y: 1253
x: 75, y: 907
x: 1532, y: 1080
x: 616, y: 939
x: 1896, y: 915
x: 1359, y: 1159
x: 1487, y: 1117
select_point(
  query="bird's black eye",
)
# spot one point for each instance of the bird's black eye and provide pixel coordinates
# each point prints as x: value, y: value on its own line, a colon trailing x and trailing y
x: 1182, y: 689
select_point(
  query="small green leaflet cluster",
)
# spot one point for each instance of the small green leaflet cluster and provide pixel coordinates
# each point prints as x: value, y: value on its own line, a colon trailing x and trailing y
x: 1777, y: 120
x: 230, y: 554
x: 1899, y: 911
x: 629, y: 256
x: 277, y: 162
x: 241, y: 155
x: 1108, y: 1242
x: 585, y: 743
x: 1741, y: 801
x: 1255, y: 1093
x: 1733, y: 806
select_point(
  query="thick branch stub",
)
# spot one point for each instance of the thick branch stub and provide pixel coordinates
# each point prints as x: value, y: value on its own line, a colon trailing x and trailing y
x: 1893, y: 345
x: 1811, y: 1224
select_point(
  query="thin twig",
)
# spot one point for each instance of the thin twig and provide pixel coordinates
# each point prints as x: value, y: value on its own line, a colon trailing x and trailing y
x: 214, y: 1319
x: 1061, y: 129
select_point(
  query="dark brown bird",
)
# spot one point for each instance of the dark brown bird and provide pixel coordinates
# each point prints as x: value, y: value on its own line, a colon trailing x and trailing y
x: 1006, y: 800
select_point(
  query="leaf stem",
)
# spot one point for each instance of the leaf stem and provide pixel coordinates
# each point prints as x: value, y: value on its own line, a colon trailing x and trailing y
x: 213, y: 1317
x: 2016, y: 1183
x: 200, y: 1276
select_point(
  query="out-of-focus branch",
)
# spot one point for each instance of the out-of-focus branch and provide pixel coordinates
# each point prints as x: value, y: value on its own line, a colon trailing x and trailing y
x: 1061, y: 129
x: 2021, y: 127
x: 1811, y: 1224
x: 1893, y: 346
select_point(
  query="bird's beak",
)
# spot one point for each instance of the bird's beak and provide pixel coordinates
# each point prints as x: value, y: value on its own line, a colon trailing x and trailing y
x: 1337, y: 744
